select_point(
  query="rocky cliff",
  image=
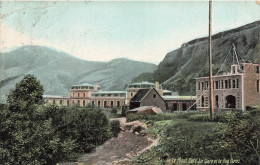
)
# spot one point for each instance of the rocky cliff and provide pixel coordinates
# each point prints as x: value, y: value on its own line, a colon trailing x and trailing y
x: 179, y: 67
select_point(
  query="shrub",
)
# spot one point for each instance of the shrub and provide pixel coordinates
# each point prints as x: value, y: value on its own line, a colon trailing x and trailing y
x: 240, y: 136
x: 115, y: 127
x: 88, y: 127
x: 133, y: 117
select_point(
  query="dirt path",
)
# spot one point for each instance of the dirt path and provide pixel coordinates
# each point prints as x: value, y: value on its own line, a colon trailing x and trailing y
x: 126, y: 146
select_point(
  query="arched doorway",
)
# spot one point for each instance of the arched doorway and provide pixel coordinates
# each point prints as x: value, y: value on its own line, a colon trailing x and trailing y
x: 202, y: 101
x: 216, y: 101
x: 230, y: 101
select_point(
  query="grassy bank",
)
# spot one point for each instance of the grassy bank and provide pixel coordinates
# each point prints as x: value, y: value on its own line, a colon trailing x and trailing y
x: 230, y: 138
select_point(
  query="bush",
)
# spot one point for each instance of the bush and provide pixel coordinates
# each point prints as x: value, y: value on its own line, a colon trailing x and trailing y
x: 88, y: 127
x: 115, y: 127
x: 133, y: 117
x: 240, y: 136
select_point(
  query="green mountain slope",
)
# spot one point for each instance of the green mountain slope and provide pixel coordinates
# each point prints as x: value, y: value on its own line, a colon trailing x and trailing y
x: 57, y: 70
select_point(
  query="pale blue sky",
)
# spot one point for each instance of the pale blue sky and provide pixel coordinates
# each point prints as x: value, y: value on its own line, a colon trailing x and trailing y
x: 102, y: 31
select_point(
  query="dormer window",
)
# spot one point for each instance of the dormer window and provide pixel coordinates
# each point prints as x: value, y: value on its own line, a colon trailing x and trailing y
x: 233, y: 70
x: 242, y: 67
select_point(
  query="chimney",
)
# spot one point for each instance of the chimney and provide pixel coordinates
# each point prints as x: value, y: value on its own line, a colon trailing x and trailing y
x: 157, y: 85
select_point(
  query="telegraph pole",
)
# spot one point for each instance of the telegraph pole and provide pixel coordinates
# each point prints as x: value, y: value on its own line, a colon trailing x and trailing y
x: 211, y: 105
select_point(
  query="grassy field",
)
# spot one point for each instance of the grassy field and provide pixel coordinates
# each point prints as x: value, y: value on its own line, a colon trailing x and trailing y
x: 159, y: 128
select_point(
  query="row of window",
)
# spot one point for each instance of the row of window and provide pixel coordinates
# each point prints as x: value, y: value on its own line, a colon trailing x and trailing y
x: 221, y: 84
x: 108, y: 95
x: 105, y: 103
x: 78, y: 94
x: 141, y: 86
x: 61, y: 102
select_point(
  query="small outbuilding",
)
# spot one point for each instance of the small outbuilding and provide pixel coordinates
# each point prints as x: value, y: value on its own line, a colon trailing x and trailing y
x: 148, y: 97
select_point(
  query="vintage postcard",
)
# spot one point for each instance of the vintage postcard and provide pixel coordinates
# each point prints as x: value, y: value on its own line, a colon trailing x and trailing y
x: 129, y: 82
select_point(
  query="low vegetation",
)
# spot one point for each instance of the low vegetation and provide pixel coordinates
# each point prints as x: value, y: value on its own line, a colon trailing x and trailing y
x: 231, y: 138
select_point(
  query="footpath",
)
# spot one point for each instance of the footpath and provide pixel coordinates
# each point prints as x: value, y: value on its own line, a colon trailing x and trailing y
x: 131, y: 141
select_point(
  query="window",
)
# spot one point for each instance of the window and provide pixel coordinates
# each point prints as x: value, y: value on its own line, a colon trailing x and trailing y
x: 257, y: 69
x: 202, y: 85
x: 98, y: 103
x: 202, y: 101
x: 84, y: 94
x: 131, y: 94
x: 93, y: 103
x: 78, y: 94
x: 257, y: 86
x: 118, y: 103
x: 198, y: 85
x: 229, y: 83
x: 226, y: 84
x: 216, y: 101
x: 68, y: 102
x: 111, y: 104
x: 105, y: 104
x: 207, y: 85
x: 237, y: 83
x: 84, y: 103
x: 233, y: 83
x: 78, y: 102
x: 154, y: 96
x: 61, y: 102
x: 233, y: 69
x: 216, y: 84
x: 73, y: 94
x: 222, y: 84
x: 53, y: 101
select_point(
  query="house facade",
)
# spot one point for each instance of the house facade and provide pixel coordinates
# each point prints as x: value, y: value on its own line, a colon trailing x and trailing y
x: 133, y: 88
x: 108, y: 99
x: 59, y: 100
x: 81, y: 94
x: 235, y: 90
x: 148, y: 97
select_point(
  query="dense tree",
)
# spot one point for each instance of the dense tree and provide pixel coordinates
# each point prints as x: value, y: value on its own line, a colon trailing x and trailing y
x: 27, y: 92
x: 35, y: 133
